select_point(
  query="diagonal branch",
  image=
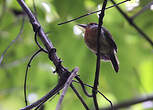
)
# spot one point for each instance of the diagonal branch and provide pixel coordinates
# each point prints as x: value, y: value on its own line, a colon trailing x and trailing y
x: 130, y: 103
x: 67, y: 84
x: 61, y: 70
x: 47, y: 43
x: 142, y: 10
x: 80, y: 98
x: 91, y: 13
x: 130, y: 21
x: 58, y: 87
x: 98, y: 92
x: 13, y: 41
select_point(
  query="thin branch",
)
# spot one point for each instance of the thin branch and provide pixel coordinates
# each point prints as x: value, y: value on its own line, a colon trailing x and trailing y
x: 33, y: 56
x: 130, y: 103
x: 61, y: 70
x: 38, y: 43
x: 29, y: 65
x: 67, y: 84
x: 83, y: 88
x: 111, y: 104
x: 47, y: 43
x: 13, y: 41
x: 130, y: 21
x: 142, y: 10
x: 90, y: 13
x: 101, y: 16
x: 41, y: 104
x: 51, y: 93
x: 80, y: 98
x: 26, y: 74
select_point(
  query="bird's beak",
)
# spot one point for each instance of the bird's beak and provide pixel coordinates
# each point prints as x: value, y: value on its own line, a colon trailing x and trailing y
x: 82, y: 25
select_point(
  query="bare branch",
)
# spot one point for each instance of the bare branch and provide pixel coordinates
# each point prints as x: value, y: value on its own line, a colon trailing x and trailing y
x: 36, y: 41
x: 26, y: 74
x: 62, y: 71
x: 82, y: 85
x: 130, y: 21
x: 80, y: 98
x: 90, y: 13
x: 68, y: 82
x: 130, y: 103
x: 101, y: 16
x: 58, y: 87
x: 142, y: 10
x: 111, y: 104
x: 13, y: 41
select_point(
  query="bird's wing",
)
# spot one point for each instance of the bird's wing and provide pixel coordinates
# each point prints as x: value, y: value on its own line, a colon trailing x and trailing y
x: 110, y: 39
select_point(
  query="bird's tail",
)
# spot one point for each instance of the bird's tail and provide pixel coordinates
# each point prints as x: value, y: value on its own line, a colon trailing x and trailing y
x: 115, y: 62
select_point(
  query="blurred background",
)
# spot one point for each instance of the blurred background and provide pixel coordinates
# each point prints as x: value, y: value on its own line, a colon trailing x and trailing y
x: 134, y: 79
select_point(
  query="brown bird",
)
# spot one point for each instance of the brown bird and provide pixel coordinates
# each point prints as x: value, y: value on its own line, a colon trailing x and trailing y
x: 108, y: 48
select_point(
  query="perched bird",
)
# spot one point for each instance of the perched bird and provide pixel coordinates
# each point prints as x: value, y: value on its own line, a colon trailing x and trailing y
x: 108, y: 48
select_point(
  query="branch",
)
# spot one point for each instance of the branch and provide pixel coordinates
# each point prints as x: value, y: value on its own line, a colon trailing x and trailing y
x: 101, y: 16
x: 130, y: 103
x: 26, y: 75
x: 91, y: 13
x: 83, y: 87
x: 111, y: 104
x: 68, y: 82
x: 130, y: 21
x: 62, y: 71
x: 13, y: 41
x: 142, y: 10
x: 80, y: 98
x: 58, y: 87
x: 47, y: 43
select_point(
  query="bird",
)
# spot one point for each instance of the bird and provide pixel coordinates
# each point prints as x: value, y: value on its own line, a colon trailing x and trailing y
x: 108, y: 47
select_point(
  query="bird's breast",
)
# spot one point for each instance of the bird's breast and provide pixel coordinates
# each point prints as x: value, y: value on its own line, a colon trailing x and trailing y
x: 91, y: 41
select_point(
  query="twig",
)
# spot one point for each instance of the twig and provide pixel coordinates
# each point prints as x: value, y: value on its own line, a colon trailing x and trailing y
x: 82, y: 85
x: 111, y: 104
x: 68, y: 82
x: 80, y: 98
x: 101, y: 16
x: 13, y: 41
x: 130, y: 103
x: 62, y: 71
x: 40, y: 105
x: 142, y: 10
x: 90, y: 13
x: 36, y: 41
x: 130, y: 21
x: 47, y: 43
x: 28, y: 65
x: 55, y: 90
x: 26, y: 74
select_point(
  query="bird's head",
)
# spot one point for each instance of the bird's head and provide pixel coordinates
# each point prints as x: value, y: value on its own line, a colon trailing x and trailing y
x: 88, y: 26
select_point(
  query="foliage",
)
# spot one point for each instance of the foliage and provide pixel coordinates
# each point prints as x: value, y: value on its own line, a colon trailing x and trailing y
x: 135, y: 54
